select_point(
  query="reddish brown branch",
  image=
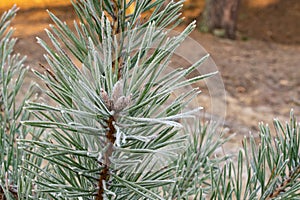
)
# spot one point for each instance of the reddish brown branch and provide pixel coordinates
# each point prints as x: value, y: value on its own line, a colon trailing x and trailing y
x: 284, y: 185
x: 110, y: 134
x: 116, y: 31
x: 104, y: 175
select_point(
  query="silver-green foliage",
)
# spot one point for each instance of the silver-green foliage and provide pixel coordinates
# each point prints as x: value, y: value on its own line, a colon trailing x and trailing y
x: 266, y: 168
x: 114, y: 129
x: 12, y: 100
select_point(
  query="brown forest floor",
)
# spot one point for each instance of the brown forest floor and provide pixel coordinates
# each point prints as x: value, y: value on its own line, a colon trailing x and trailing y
x: 261, y: 74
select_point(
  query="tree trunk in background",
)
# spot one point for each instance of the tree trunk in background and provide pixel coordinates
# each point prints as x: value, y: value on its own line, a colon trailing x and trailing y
x: 221, y: 14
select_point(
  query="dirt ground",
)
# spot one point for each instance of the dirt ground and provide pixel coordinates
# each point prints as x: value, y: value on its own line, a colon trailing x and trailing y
x: 260, y: 70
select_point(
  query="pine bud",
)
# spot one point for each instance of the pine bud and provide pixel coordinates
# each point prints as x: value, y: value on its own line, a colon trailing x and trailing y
x: 117, y: 91
x: 105, y: 98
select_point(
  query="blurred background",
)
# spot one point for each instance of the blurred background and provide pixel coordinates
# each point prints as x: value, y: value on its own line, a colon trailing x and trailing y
x: 260, y: 67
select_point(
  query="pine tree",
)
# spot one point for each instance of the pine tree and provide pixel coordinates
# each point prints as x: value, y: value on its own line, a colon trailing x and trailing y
x: 113, y: 129
x: 114, y: 132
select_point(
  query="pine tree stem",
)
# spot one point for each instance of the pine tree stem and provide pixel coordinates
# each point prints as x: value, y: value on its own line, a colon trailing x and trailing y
x: 110, y: 134
x: 104, y: 175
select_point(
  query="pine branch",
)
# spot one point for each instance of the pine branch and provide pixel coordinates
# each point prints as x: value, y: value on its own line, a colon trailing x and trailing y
x: 105, y: 102
x: 283, y: 187
x: 104, y: 174
x: 265, y: 169
x: 11, y: 113
x: 116, y: 133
